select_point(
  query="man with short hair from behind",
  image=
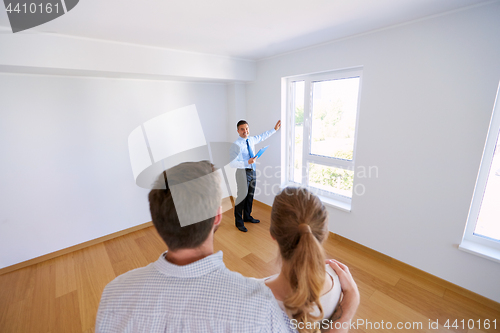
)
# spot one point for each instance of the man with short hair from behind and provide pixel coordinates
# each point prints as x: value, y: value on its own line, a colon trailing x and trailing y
x: 189, y: 289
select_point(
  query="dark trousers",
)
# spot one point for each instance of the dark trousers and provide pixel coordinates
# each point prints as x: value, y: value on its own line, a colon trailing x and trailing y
x: 245, y: 181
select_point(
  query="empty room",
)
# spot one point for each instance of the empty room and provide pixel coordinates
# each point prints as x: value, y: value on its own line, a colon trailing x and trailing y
x: 250, y: 166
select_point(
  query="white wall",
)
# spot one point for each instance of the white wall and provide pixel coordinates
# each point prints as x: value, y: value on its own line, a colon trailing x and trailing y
x: 427, y: 97
x: 236, y: 107
x: 65, y: 176
x: 57, y: 54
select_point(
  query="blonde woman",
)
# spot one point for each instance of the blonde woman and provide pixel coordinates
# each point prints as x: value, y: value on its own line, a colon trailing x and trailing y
x: 306, y: 289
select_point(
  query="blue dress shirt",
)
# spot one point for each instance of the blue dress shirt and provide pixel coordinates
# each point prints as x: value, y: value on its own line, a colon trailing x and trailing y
x: 239, y: 150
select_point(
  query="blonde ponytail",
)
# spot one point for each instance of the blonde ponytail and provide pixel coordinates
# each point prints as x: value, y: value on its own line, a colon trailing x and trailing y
x: 298, y: 222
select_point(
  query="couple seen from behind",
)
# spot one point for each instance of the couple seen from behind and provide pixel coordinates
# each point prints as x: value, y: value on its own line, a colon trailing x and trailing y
x: 189, y: 288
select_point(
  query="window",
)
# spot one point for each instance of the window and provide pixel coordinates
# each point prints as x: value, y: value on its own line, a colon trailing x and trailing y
x: 321, y: 114
x: 482, y: 233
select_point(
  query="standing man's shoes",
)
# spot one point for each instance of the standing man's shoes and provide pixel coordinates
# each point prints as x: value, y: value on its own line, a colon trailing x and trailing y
x: 244, y: 229
x: 252, y: 220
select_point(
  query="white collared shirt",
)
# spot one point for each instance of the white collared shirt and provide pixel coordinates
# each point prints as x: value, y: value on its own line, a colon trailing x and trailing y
x: 239, y: 151
x: 203, y: 296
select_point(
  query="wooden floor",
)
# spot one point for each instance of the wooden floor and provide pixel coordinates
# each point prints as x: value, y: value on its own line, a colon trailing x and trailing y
x: 62, y: 294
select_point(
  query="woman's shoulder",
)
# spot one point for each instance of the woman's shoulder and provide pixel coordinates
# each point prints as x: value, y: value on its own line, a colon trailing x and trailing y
x: 330, y: 270
x: 336, y: 288
x: 330, y: 299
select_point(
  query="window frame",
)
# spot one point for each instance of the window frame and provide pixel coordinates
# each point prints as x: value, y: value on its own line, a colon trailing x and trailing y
x: 333, y: 199
x: 476, y: 244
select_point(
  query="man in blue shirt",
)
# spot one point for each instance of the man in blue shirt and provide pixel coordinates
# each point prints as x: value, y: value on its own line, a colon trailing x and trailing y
x: 243, y: 158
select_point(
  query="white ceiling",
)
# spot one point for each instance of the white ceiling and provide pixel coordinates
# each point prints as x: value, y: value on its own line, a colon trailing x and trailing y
x: 249, y: 29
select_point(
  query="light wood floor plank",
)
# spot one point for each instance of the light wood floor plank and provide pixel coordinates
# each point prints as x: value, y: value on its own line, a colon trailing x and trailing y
x: 365, y: 290
x: 356, y: 258
x: 488, y: 305
x: 67, y: 314
x: 471, y: 307
x: 20, y: 310
x: 19, y: 285
x: 260, y: 267
x: 425, y: 302
x: 151, y: 245
x: 233, y: 260
x: 43, y: 300
x: 233, y: 238
x: 65, y: 275
x: 404, y: 314
x: 63, y: 294
x: 93, y: 271
x: 260, y: 243
x: 421, y: 282
x: 124, y: 254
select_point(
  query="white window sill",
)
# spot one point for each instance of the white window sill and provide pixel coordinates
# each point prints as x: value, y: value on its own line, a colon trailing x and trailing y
x: 327, y: 201
x: 480, y: 250
x: 346, y: 207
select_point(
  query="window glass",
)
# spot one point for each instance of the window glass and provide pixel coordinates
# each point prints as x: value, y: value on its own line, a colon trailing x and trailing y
x: 321, y: 110
x: 488, y: 221
x: 298, y: 106
x: 331, y: 179
x: 334, y: 109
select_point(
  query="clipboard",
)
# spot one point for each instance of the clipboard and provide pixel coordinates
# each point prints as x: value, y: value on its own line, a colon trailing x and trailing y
x: 261, y: 151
